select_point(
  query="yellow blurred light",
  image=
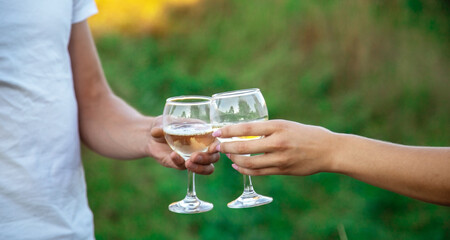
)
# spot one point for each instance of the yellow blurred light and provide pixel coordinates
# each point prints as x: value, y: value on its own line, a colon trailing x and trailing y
x: 133, y: 17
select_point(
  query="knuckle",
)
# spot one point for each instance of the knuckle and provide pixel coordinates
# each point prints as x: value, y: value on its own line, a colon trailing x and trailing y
x: 284, y: 164
x: 247, y: 128
x: 241, y: 147
x: 227, y: 130
x: 248, y: 164
x: 279, y: 145
x: 224, y: 148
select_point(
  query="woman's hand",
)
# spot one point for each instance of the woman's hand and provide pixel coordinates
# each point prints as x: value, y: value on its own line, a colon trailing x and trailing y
x: 290, y: 148
x: 287, y: 148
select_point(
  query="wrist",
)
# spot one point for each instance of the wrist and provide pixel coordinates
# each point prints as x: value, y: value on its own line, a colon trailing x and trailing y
x: 145, y: 129
x: 337, y: 145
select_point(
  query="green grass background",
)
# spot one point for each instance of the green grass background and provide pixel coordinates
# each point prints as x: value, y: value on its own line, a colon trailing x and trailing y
x: 374, y: 68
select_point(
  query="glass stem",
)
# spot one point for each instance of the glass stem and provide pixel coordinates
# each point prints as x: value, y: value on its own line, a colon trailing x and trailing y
x: 248, y: 187
x: 191, y: 186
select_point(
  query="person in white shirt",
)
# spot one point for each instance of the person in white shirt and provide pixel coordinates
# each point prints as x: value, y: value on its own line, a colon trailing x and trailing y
x: 52, y: 92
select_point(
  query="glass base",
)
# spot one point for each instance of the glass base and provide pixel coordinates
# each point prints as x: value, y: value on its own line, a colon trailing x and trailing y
x: 249, y: 199
x: 190, y: 205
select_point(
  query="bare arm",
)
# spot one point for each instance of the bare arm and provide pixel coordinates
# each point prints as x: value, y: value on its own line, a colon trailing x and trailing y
x: 418, y: 172
x: 108, y: 125
x: 296, y: 149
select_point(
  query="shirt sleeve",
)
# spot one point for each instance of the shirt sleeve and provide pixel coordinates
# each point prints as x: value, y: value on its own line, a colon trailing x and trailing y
x: 82, y: 9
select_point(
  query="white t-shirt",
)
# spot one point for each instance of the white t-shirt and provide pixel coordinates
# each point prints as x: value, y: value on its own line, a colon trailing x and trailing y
x: 42, y: 185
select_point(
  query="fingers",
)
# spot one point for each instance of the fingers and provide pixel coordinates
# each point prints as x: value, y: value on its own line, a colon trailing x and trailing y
x: 213, y: 147
x: 255, y: 162
x: 247, y: 147
x: 264, y: 164
x: 202, y: 163
x: 177, y: 160
x: 200, y: 169
x: 204, y: 158
x: 257, y: 172
x: 246, y: 129
x: 157, y: 132
x: 266, y: 128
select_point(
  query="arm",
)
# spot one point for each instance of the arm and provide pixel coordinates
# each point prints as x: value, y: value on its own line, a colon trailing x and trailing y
x: 296, y: 149
x: 418, y: 172
x: 108, y: 125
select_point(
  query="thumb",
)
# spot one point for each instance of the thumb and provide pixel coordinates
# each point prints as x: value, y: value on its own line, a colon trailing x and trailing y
x: 157, y: 132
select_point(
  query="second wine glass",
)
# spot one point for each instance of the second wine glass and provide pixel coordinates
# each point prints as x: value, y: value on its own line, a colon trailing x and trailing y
x: 235, y: 107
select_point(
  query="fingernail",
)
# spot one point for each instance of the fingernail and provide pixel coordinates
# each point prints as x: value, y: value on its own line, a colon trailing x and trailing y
x: 234, y: 166
x: 228, y: 155
x: 199, y: 158
x: 217, y: 133
x: 218, y: 148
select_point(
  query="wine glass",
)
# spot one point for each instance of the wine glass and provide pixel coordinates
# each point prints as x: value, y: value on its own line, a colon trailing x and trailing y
x: 234, y: 107
x: 187, y: 129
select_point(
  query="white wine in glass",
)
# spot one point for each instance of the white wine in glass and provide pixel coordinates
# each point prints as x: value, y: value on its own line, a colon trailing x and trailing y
x: 187, y: 129
x: 188, y: 138
x: 241, y: 106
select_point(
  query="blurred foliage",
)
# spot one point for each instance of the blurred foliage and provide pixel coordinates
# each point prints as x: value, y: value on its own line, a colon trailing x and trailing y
x: 374, y: 68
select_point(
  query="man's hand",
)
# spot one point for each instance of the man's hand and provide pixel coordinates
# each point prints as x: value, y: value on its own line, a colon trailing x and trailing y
x: 108, y: 125
x: 200, y: 162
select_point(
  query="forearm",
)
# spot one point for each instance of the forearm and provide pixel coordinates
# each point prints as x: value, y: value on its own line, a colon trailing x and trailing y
x: 108, y: 125
x: 112, y: 128
x: 418, y: 172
